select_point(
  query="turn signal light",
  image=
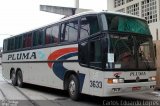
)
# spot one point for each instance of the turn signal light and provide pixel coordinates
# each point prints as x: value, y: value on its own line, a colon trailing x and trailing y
x: 115, y: 80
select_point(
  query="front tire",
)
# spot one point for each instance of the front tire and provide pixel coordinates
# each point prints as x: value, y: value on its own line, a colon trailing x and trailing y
x: 13, y: 78
x: 20, y: 79
x: 73, y: 87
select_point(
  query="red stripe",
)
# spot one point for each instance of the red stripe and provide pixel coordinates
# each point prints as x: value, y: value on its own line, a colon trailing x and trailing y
x: 58, y: 53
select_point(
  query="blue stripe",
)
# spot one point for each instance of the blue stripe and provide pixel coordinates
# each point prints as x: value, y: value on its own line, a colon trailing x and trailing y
x: 58, y: 68
x: 81, y: 81
x: 60, y: 71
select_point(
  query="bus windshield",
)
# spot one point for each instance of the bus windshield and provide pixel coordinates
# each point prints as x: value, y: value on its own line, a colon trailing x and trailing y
x: 130, y: 43
x: 131, y: 52
x: 127, y: 24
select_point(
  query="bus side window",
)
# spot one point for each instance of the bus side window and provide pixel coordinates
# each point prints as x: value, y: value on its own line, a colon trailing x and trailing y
x: 83, y: 53
x: 20, y: 42
x: 8, y: 46
x: 95, y: 54
x: 73, y: 30
x: 27, y: 40
x: 55, y: 33
x: 24, y: 41
x: 84, y: 28
x: 48, y: 35
x: 11, y: 44
x: 64, y: 34
x: 5, y: 44
x: 90, y: 53
x: 88, y: 26
x: 52, y: 34
x: 17, y: 42
x: 69, y: 31
x: 37, y: 37
x: 94, y: 27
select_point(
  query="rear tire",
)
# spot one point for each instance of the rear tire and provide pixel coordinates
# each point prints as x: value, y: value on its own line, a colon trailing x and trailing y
x: 13, y: 78
x: 73, y: 87
x: 20, y: 79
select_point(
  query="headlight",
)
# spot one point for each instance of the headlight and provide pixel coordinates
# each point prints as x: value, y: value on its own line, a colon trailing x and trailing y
x: 115, y: 80
x: 152, y: 78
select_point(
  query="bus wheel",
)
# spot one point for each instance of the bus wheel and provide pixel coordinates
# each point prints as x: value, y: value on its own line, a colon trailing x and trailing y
x: 20, y: 79
x: 73, y: 87
x: 13, y: 78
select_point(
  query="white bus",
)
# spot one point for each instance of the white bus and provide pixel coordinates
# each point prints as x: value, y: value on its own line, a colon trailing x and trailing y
x: 94, y: 53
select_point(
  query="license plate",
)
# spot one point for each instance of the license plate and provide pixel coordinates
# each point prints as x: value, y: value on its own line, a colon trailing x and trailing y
x: 136, y: 88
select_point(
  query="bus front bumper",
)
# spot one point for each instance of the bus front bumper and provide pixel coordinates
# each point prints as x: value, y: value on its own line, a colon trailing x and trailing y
x: 128, y: 88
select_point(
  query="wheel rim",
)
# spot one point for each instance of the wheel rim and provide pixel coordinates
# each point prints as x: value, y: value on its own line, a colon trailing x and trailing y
x: 19, y: 80
x: 72, y: 87
x: 13, y: 76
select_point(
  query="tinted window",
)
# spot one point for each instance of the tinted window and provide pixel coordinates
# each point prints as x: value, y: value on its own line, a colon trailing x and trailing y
x: 127, y: 24
x: 27, y: 40
x: 64, y: 35
x: 90, y: 53
x: 5, y: 44
x: 89, y: 25
x: 8, y: 46
x: 18, y: 43
x: 37, y: 37
x: 11, y: 44
x: 83, y: 53
x: 69, y: 31
x: 52, y: 35
x: 95, y: 53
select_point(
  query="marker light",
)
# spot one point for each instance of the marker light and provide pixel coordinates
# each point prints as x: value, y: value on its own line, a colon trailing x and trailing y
x: 115, y: 80
x: 153, y: 78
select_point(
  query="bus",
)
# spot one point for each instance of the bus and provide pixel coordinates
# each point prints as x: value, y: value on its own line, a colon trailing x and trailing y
x: 95, y: 53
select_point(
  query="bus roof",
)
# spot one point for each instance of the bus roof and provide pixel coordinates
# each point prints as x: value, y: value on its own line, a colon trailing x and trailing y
x: 82, y: 14
x: 99, y: 12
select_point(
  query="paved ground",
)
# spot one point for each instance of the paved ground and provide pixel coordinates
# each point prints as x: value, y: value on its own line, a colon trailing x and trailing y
x: 33, y: 95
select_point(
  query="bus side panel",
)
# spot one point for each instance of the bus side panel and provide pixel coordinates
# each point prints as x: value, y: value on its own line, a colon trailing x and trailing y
x: 5, y: 67
x: 96, y: 82
x: 82, y: 74
x: 6, y: 71
x: 40, y: 74
x: 68, y: 61
x: 51, y: 73
x: 91, y: 80
x: 24, y: 69
x: 39, y: 71
x: 62, y: 55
